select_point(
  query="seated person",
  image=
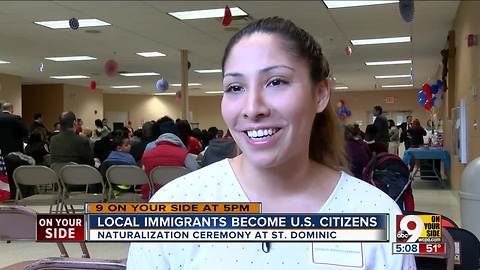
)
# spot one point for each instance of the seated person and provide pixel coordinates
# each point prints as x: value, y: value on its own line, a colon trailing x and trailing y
x: 119, y: 156
x: 169, y: 151
x: 121, y: 150
x: 37, y: 148
x: 219, y: 149
x: 147, y: 136
x: 68, y: 146
x: 161, y: 126
x: 105, y: 145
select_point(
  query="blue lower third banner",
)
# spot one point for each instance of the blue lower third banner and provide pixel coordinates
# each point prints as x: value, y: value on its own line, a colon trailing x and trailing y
x: 241, y: 227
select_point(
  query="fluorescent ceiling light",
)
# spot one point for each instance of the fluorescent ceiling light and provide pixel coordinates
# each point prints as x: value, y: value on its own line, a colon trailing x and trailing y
x: 64, y: 23
x: 372, y: 41
x: 341, y: 87
x: 68, y: 77
x: 139, y: 74
x: 381, y: 63
x: 71, y: 58
x: 397, y: 86
x: 190, y: 84
x: 125, y: 86
x: 343, y: 4
x: 214, y: 92
x: 151, y: 54
x: 393, y: 76
x: 208, y: 70
x: 207, y: 13
x: 4, y: 62
x: 164, y: 94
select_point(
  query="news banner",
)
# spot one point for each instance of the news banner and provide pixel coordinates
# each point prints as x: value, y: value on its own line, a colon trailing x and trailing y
x: 234, y: 222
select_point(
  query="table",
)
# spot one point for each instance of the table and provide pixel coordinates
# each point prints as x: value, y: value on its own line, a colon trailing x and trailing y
x: 426, y: 153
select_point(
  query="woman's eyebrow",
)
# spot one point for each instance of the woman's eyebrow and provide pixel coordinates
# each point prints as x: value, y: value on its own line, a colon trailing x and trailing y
x: 267, y: 69
x: 233, y: 74
x: 263, y: 70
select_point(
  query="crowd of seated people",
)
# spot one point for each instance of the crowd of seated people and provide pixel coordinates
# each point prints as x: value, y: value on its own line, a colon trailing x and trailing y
x: 164, y: 142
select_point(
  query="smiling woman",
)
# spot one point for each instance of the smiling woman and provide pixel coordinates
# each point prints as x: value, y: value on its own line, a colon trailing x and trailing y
x: 277, y: 108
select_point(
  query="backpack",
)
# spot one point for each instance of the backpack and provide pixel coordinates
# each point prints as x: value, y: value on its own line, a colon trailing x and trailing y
x: 391, y: 175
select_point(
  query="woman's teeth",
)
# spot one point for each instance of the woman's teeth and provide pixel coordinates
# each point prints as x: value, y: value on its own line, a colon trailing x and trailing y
x: 261, y: 133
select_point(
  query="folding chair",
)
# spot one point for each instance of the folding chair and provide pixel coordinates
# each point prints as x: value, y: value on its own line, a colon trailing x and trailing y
x: 20, y: 223
x: 162, y: 175
x: 439, y: 261
x: 57, y: 166
x: 126, y: 175
x: 80, y: 175
x: 467, y: 249
x: 76, y: 264
x: 33, y: 175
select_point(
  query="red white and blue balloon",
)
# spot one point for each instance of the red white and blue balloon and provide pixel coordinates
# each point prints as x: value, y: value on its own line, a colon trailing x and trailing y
x: 432, y: 95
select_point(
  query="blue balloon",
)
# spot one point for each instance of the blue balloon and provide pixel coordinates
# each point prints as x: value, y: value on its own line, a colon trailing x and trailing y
x: 162, y: 85
x: 421, y: 94
x: 421, y: 101
x: 434, y: 88
x: 439, y: 84
x: 433, y: 101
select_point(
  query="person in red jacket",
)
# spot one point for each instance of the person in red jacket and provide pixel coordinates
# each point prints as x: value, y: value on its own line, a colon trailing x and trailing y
x: 169, y: 151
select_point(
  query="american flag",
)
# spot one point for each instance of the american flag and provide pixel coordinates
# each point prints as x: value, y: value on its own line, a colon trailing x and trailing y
x: 4, y: 185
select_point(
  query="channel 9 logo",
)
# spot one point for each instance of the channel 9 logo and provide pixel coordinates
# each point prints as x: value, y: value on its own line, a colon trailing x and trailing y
x: 419, y: 228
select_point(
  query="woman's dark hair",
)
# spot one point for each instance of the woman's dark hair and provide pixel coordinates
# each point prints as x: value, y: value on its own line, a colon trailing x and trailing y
x: 326, y: 144
x: 391, y: 123
x: 184, y: 131
x: 98, y: 123
x: 298, y: 41
x: 197, y: 133
x: 35, y: 137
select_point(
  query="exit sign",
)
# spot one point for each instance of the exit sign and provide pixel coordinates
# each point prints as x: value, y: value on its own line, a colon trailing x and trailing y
x: 390, y: 100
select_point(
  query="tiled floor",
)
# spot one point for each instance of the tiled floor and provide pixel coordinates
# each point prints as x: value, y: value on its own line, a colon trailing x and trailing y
x: 429, y: 197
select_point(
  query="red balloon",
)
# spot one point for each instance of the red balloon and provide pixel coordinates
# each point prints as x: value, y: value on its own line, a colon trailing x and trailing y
x: 178, y: 96
x: 348, y: 51
x: 93, y: 85
x: 227, y: 17
x: 111, y: 67
x: 428, y: 105
x: 427, y: 90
